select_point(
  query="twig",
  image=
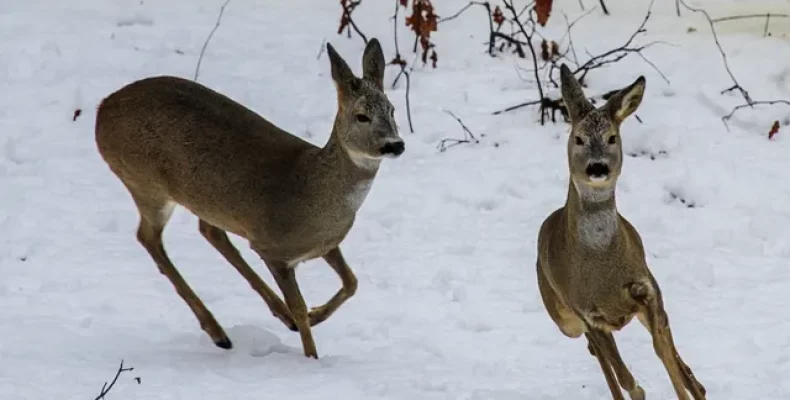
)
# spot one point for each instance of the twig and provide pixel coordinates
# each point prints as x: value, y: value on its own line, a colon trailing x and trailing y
x: 767, y: 17
x: 461, y: 11
x: 469, y: 137
x: 620, y: 52
x: 603, y: 6
x: 348, y: 9
x: 528, y: 36
x: 321, y: 49
x: 208, y: 39
x: 752, y: 104
x: 736, y: 86
x: 516, y: 107
x: 107, y: 387
x: 748, y: 16
x: 493, y: 34
x: 402, y: 64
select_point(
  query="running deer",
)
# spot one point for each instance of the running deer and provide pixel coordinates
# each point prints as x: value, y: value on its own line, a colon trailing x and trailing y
x: 173, y: 142
x: 591, y: 266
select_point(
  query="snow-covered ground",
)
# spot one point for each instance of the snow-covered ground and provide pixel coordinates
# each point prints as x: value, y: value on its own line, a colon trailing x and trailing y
x: 444, y: 247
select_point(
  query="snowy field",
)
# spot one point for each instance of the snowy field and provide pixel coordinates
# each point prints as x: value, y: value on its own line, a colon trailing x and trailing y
x: 444, y: 246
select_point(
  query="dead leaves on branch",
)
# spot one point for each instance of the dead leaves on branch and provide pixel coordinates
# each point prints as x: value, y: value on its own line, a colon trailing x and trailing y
x: 543, y: 11
x: 422, y: 21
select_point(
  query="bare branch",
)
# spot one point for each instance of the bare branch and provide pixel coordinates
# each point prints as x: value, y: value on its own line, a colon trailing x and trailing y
x: 603, y: 6
x: 748, y: 16
x: 402, y: 64
x: 621, y: 52
x: 736, y: 86
x: 347, y: 21
x: 208, y: 39
x: 107, y: 387
x: 509, y: 6
x: 516, y: 107
x: 463, y: 9
x: 549, y: 106
x: 469, y: 137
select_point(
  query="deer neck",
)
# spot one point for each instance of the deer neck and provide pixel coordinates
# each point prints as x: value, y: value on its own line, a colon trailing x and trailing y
x: 592, y: 216
x: 345, y: 177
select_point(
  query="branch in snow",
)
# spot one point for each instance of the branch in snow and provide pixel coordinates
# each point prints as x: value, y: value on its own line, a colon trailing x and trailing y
x: 549, y: 106
x: 208, y: 39
x: 736, y: 86
x: 619, y: 53
x: 399, y: 61
x: 528, y: 36
x: 767, y: 17
x: 469, y: 137
x: 107, y: 387
x: 347, y: 21
x: 603, y: 6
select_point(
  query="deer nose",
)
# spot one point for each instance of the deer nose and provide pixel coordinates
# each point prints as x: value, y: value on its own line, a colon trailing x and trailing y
x: 393, y: 148
x: 597, y: 170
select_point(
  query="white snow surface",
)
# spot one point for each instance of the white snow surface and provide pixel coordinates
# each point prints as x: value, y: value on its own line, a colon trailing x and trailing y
x: 444, y: 244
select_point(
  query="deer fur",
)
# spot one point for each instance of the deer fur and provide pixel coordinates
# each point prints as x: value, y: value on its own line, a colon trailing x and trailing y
x: 591, y: 266
x: 173, y: 142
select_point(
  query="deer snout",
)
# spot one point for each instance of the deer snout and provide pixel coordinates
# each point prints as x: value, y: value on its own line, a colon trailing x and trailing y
x: 597, y: 170
x: 393, y: 149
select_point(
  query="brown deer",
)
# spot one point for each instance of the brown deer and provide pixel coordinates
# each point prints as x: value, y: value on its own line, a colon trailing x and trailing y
x: 591, y: 266
x: 173, y: 141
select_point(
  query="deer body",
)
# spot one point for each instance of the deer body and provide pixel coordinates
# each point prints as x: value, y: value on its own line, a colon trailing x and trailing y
x: 592, y: 273
x: 172, y: 141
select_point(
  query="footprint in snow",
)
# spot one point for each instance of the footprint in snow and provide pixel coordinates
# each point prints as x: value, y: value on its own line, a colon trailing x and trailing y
x: 257, y: 342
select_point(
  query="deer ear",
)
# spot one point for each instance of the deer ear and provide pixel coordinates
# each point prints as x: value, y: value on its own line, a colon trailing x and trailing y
x: 341, y: 73
x: 626, y: 101
x: 573, y: 96
x: 373, y: 63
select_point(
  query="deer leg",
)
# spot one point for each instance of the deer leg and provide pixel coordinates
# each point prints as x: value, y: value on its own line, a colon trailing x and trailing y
x: 335, y: 260
x: 657, y: 323
x: 220, y: 241
x: 609, y: 347
x: 285, y: 276
x: 153, y: 217
x: 567, y: 321
x: 606, y: 367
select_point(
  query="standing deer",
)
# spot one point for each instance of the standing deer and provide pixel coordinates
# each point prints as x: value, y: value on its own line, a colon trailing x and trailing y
x: 591, y: 266
x: 173, y: 141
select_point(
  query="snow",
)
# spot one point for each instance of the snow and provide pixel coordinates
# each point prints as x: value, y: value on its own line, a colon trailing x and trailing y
x: 444, y: 244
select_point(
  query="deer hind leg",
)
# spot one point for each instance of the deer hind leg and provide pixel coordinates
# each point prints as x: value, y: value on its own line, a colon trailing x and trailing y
x: 655, y: 319
x: 285, y: 276
x: 568, y: 322
x: 605, y: 341
x: 154, y: 214
x: 335, y: 260
x: 220, y: 241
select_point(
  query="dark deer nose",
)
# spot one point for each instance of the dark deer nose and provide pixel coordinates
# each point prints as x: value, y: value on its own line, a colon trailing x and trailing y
x: 394, y: 148
x: 597, y: 170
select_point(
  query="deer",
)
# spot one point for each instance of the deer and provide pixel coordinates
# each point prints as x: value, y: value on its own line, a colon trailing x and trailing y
x: 592, y: 273
x: 172, y: 141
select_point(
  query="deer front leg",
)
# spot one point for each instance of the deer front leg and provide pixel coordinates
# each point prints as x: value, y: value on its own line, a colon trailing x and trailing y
x: 335, y: 260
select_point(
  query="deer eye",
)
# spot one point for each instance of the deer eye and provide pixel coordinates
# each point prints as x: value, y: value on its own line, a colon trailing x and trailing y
x: 579, y: 141
x: 362, y: 118
x: 612, y: 139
